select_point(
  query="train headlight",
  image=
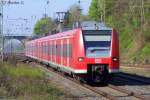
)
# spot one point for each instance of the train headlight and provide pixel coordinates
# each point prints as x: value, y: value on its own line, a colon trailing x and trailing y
x: 80, y: 59
x: 115, y: 59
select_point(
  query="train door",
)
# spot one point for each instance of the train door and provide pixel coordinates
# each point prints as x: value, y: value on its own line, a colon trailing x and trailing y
x: 41, y: 50
x: 37, y: 49
x: 55, y: 52
x: 51, y: 50
x: 61, y: 52
x: 52, y: 44
x: 48, y: 51
x: 58, y: 51
x: 65, y: 52
x: 45, y: 50
x: 68, y: 52
x: 40, y: 53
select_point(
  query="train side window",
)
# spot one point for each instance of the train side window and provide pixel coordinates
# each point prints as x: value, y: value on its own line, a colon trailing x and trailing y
x: 61, y: 48
x: 42, y: 48
x: 54, y: 46
x: 54, y: 50
x: 58, y: 49
x: 46, y: 48
x: 70, y: 50
x: 50, y: 49
x: 65, y: 50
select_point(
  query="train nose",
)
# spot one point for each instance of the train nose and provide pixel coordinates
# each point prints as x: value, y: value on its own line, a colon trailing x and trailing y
x: 97, y: 60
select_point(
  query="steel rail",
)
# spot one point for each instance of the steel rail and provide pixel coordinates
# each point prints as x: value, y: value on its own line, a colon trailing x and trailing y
x: 130, y: 93
x: 98, y: 91
x: 93, y: 89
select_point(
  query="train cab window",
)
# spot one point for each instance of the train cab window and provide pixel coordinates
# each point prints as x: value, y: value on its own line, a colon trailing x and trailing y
x: 97, y: 43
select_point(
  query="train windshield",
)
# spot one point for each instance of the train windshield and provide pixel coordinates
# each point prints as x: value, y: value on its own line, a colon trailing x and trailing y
x: 97, y: 43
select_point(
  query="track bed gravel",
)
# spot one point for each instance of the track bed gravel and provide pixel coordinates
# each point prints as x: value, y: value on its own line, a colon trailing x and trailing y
x: 131, y: 85
x: 78, y: 92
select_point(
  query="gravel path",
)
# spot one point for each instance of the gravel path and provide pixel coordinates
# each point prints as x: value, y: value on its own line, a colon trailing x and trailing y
x: 78, y: 92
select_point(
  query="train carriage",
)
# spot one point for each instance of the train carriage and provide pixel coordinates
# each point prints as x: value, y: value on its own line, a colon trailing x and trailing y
x: 91, y: 53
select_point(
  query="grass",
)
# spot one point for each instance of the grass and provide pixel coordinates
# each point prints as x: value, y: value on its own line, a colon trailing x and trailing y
x: 137, y: 71
x: 23, y: 82
x: 24, y: 71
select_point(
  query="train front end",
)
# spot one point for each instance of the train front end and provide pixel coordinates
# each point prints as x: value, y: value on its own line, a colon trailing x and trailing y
x: 101, y: 54
x: 97, y: 51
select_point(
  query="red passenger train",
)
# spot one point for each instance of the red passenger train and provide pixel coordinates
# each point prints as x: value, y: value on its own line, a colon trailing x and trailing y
x: 88, y: 52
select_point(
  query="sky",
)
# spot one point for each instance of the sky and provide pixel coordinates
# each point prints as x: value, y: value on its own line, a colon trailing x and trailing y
x: 21, y: 18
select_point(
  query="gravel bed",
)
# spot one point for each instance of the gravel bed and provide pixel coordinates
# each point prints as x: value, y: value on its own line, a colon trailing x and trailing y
x: 118, y: 94
x: 78, y: 92
x: 134, y: 86
x: 82, y: 93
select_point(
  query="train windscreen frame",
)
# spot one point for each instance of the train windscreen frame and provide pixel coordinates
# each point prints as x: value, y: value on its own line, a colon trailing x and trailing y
x: 97, y: 43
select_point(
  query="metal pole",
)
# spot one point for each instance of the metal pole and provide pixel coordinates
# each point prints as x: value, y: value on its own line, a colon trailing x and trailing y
x: 1, y: 30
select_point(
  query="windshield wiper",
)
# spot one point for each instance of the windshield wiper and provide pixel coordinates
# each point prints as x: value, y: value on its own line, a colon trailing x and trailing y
x: 99, y: 49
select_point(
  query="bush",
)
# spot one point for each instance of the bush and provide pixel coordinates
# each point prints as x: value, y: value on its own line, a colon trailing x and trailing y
x: 26, y: 82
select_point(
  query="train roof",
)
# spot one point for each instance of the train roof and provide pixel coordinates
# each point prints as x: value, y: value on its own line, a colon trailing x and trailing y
x: 58, y: 35
x: 93, y: 25
x: 85, y: 26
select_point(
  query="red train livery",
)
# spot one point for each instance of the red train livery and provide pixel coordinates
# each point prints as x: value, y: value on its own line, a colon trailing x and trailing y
x: 90, y: 54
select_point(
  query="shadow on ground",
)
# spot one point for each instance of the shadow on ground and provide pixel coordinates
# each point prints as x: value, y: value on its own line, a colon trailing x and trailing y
x: 121, y: 81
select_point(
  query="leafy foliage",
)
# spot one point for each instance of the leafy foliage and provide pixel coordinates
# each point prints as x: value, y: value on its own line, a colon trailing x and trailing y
x: 27, y: 82
x: 95, y: 11
x: 132, y: 25
x: 44, y: 26
x: 74, y: 15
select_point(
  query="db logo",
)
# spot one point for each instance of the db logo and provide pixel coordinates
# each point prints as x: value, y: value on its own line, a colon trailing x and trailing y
x: 98, y: 60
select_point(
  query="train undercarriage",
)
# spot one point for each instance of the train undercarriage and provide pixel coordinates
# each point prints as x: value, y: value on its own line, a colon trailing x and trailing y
x: 98, y: 73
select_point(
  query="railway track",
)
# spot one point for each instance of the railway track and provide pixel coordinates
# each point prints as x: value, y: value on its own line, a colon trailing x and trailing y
x: 102, y: 93
x: 98, y: 90
x: 127, y: 94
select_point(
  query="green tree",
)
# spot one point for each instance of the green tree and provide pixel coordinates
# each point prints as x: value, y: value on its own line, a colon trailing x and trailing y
x: 95, y: 11
x: 74, y: 14
x: 44, y: 26
x: 131, y: 19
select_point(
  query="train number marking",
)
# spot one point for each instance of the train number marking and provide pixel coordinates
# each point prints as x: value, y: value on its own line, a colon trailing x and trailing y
x: 98, y: 60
